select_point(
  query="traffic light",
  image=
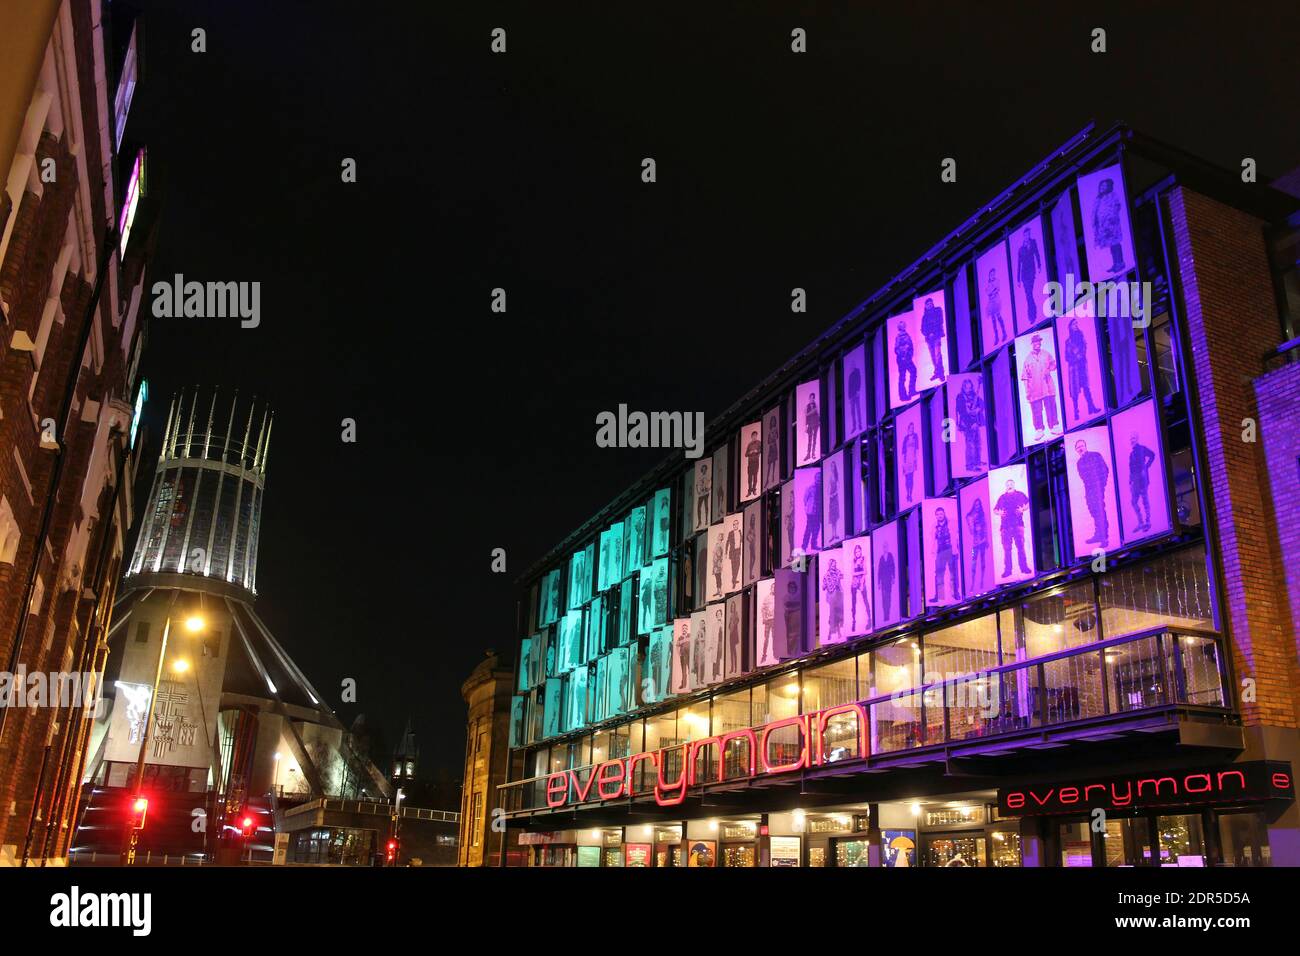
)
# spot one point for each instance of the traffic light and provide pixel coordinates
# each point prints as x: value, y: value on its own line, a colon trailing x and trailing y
x: 246, y: 825
x: 392, y: 850
x: 139, y: 808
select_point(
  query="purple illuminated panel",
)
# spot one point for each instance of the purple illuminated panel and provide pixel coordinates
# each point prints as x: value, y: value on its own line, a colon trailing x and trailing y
x: 703, y: 492
x: 753, y: 559
x: 993, y: 280
x: 735, y: 552
x: 737, y: 634
x: 855, y: 391
x: 969, y: 425
x: 1013, y: 527
x: 858, y: 484
x: 717, y: 578
x: 807, y: 506
x: 1040, y: 389
x: 699, y: 649
x: 1027, y: 252
x: 1084, y: 396
x: 772, y: 449
x: 1091, y: 476
x: 834, y: 498
x: 787, y: 523
x: 831, y: 585
x: 941, y: 544
x: 808, y: 440
x: 1140, y: 479
x: 931, y: 324
x: 751, y: 461
x: 765, y: 646
x: 901, y: 343
x: 790, y: 625
x: 1065, y: 240
x: 976, y: 532
x: 858, y: 595
x: 681, y: 680
x: 884, y: 558
x: 1106, y: 233
x: 909, y: 455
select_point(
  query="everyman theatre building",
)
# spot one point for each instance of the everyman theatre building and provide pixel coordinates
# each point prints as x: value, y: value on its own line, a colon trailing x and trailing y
x: 998, y: 571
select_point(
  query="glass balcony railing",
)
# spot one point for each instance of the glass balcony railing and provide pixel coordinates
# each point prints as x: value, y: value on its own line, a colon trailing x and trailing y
x: 1155, y: 669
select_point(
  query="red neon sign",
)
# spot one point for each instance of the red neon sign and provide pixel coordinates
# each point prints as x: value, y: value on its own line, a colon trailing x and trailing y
x: 614, y: 778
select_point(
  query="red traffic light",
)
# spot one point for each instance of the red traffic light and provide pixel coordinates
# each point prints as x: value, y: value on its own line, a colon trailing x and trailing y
x: 246, y: 825
x: 392, y: 850
x: 139, y: 808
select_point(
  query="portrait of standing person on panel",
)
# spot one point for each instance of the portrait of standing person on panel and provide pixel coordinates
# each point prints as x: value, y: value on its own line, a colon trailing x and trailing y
x: 1040, y: 414
x: 909, y: 456
x: 1140, y: 483
x: 900, y: 341
x: 855, y: 391
x: 967, y: 411
x: 1013, y: 543
x: 1090, y: 476
x: 857, y: 561
x: 992, y: 282
x: 884, y: 555
x: 1027, y: 251
x: 1084, y: 396
x: 751, y: 458
x: 772, y: 449
x: 1107, y: 236
x: 928, y: 318
x: 809, y: 419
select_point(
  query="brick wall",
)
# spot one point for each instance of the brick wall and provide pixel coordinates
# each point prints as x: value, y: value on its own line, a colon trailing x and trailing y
x: 1232, y: 320
x: 56, y: 635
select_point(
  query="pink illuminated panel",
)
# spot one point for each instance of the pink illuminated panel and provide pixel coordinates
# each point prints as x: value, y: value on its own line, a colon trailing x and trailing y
x: 1106, y: 232
x: 772, y: 448
x: 977, y: 535
x: 902, y: 346
x: 1013, y: 527
x: 941, y: 545
x: 993, y: 281
x: 790, y: 624
x: 716, y: 578
x: 765, y: 646
x: 788, y: 523
x: 909, y: 457
x: 699, y: 649
x: 715, y: 643
x: 734, y: 549
x: 835, y: 494
x: 703, y: 492
x: 969, y: 417
x: 888, y: 569
x: 736, y: 652
x: 857, y: 594
x: 808, y: 437
x: 1140, y: 482
x: 753, y: 559
x: 832, y: 583
x: 1091, y: 476
x: 1039, y: 388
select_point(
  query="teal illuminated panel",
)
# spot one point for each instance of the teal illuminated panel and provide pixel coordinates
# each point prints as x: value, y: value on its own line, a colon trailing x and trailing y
x: 580, y: 575
x: 661, y: 523
x: 611, y: 558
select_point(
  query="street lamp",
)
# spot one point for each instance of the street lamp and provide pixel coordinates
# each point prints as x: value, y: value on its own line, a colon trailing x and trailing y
x: 193, y: 623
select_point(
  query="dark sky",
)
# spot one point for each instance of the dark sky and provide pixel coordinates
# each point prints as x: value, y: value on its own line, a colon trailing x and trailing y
x: 775, y: 170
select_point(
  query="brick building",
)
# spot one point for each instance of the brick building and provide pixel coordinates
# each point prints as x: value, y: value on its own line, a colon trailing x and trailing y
x: 75, y: 227
x: 487, y: 694
x: 787, y: 654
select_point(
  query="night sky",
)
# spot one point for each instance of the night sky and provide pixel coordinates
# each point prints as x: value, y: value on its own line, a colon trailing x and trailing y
x: 522, y: 171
